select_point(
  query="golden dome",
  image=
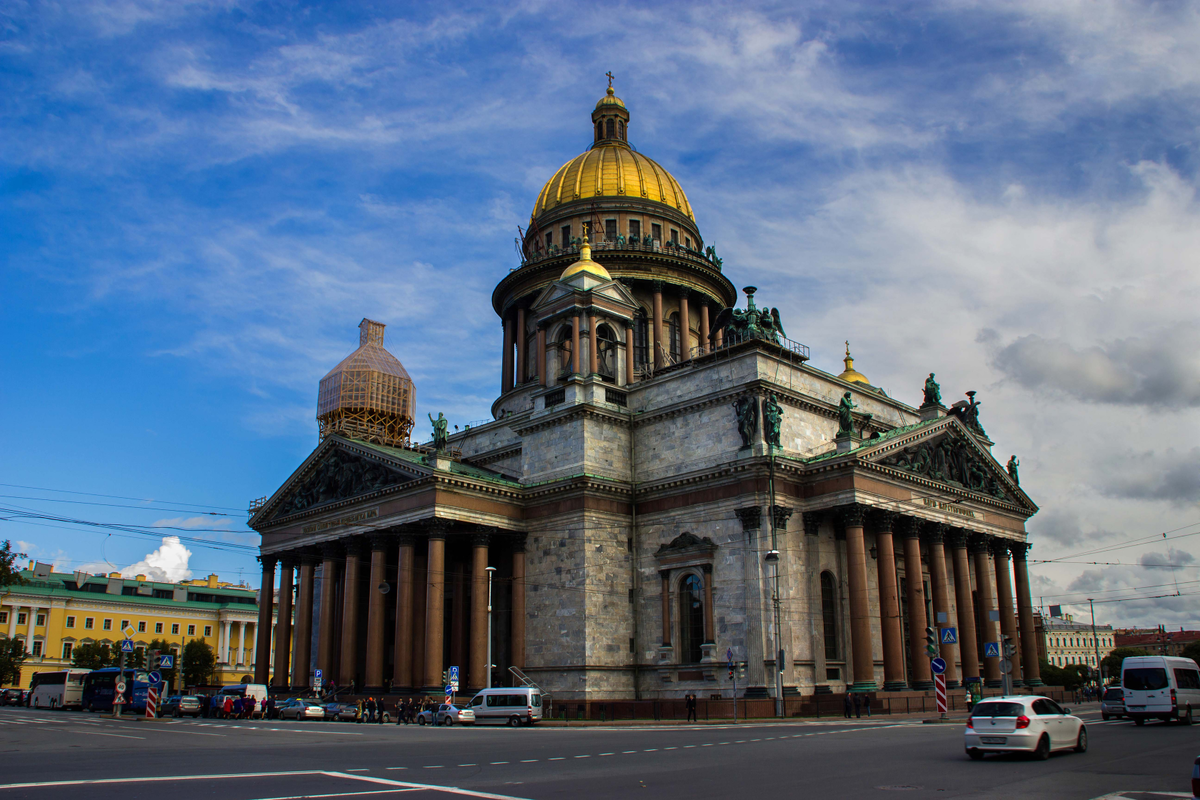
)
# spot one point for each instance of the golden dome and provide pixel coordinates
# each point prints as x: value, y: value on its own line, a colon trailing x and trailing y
x: 610, y: 99
x: 612, y: 169
x: 585, y: 264
x: 850, y: 373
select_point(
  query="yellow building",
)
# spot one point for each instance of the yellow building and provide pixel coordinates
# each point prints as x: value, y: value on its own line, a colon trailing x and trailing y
x: 53, y: 613
x: 1068, y: 642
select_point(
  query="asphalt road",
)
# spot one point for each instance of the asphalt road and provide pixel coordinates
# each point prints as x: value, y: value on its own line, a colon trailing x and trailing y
x: 45, y: 756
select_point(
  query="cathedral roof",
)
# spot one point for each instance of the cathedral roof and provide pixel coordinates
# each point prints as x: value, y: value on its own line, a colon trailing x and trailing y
x: 850, y: 374
x: 610, y: 99
x: 586, y: 265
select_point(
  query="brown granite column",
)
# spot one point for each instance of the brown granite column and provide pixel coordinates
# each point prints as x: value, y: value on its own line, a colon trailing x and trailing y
x: 506, y: 379
x: 860, y: 604
x: 593, y: 354
x: 518, y: 604
x: 685, y: 346
x: 521, y: 346
x: 1004, y: 597
x: 1029, y: 657
x: 458, y: 614
x: 376, y: 614
x: 435, y: 598
x: 666, y: 607
x: 283, y: 628
x: 656, y: 332
x: 705, y: 343
x: 402, y: 671
x: 889, y: 605
x: 326, y: 652
x: 477, y: 671
x: 302, y: 660
x: 348, y: 664
x: 420, y: 596
x: 542, y: 366
x: 935, y: 534
x: 985, y: 605
x: 968, y: 648
x: 629, y: 369
x: 262, y: 631
x: 719, y: 336
x: 576, y: 354
x: 921, y: 677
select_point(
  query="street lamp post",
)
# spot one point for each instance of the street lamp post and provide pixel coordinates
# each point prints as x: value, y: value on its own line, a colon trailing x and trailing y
x: 490, y: 571
x: 1095, y: 643
x: 772, y: 558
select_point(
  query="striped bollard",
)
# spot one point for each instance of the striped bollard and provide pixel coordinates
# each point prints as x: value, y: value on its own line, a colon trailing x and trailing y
x: 151, y: 703
x: 939, y: 692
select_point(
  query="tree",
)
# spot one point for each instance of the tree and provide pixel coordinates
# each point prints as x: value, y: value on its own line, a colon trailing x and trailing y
x: 12, y: 654
x: 1192, y: 651
x: 1112, y: 662
x: 92, y: 655
x: 1070, y: 677
x: 10, y: 572
x: 197, y: 662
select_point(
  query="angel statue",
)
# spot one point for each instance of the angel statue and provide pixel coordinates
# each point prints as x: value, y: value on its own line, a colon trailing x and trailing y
x: 439, y: 431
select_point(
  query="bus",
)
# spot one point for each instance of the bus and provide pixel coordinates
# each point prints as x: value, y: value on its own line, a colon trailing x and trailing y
x: 62, y: 689
x: 99, y: 685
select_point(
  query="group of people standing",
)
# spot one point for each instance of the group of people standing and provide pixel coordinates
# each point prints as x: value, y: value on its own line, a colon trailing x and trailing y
x: 855, y: 704
x: 236, y: 707
x: 408, y: 708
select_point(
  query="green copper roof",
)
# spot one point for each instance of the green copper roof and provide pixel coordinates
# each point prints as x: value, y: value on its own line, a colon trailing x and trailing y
x: 456, y: 467
x: 883, y: 437
x: 56, y: 586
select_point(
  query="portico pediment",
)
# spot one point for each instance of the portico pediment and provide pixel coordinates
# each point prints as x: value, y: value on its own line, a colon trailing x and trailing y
x: 947, y: 453
x: 558, y: 291
x: 336, y: 471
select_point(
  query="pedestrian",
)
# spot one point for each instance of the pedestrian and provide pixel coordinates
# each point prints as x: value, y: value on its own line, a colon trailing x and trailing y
x: 269, y: 708
x: 237, y: 707
x: 379, y: 711
x: 370, y: 709
x: 689, y: 701
x: 858, y: 706
x: 358, y: 710
x: 867, y: 704
x: 968, y: 697
x: 847, y: 706
x: 227, y: 707
x: 205, y: 705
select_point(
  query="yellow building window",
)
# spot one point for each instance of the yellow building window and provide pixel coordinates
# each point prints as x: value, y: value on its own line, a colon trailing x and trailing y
x: 158, y: 627
x: 37, y: 648
x: 107, y: 625
x: 41, y: 620
x: 67, y: 648
x: 208, y: 630
x: 142, y: 626
x: 88, y: 623
x: 3, y: 617
x: 21, y: 616
x: 191, y: 630
x: 174, y: 628
x: 70, y: 624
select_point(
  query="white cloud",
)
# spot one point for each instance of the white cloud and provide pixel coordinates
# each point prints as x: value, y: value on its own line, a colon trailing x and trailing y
x: 169, y: 563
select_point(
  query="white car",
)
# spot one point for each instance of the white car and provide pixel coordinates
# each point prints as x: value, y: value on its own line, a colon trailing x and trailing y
x: 1023, y: 724
x: 297, y: 708
x: 446, y: 714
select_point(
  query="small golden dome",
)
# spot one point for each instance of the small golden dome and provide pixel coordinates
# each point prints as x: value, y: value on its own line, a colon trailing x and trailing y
x: 585, y: 264
x: 610, y: 99
x: 850, y: 373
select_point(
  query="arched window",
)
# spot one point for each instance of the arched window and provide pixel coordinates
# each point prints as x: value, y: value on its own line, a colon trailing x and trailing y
x: 641, y: 339
x: 829, y: 615
x: 691, y: 619
x: 599, y: 131
x: 565, y: 362
x: 621, y: 130
x: 673, y: 336
x: 606, y: 351
x: 609, y: 129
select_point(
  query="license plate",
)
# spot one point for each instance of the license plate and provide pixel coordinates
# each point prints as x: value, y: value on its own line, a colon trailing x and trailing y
x: 1137, y: 707
x: 992, y: 739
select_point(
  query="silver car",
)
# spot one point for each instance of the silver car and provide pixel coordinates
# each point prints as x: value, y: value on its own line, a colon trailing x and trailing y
x: 301, y: 709
x: 1112, y: 703
x: 446, y: 714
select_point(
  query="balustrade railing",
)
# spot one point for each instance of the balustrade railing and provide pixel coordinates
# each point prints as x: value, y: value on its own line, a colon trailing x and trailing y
x: 667, y: 248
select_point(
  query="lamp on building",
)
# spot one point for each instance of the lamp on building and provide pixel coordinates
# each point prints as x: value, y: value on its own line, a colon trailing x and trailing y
x: 874, y: 553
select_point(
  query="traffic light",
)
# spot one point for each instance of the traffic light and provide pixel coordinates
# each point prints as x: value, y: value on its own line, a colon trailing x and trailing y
x: 445, y: 677
x: 931, y: 642
x: 730, y: 670
x: 741, y: 669
x: 1010, y: 648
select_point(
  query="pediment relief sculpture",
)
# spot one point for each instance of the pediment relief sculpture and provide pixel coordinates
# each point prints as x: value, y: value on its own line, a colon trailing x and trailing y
x: 948, y: 460
x: 340, y: 476
x: 686, y: 541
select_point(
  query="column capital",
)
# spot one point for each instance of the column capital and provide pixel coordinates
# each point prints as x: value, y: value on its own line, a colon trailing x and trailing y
x: 307, y: 559
x: 853, y: 515
x: 999, y: 547
x: 354, y: 546
x: 288, y: 560
x: 706, y: 569
x: 518, y: 543
x: 331, y: 550
x: 812, y: 523
x: 885, y: 521
x: 1019, y: 550
x: 268, y: 562
x: 909, y: 527
x: 480, y: 538
x: 978, y: 543
x: 750, y: 517
x: 405, y: 539
x: 380, y: 541
x: 657, y: 286
x: 435, y: 528
x: 780, y: 516
x: 956, y: 538
x: 933, y: 532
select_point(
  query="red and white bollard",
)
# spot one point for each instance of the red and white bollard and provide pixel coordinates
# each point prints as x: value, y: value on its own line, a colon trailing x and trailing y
x: 151, y: 703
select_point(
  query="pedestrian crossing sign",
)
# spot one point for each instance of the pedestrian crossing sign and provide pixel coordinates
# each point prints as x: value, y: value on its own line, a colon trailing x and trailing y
x: 949, y: 636
x: 127, y: 646
x: 991, y: 649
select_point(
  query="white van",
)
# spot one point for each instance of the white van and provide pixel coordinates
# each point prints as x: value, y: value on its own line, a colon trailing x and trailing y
x: 1160, y: 687
x: 256, y: 690
x: 515, y: 705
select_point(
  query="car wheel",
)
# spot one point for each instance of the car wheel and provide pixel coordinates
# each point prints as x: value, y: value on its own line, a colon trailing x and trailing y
x: 1187, y: 717
x: 1139, y: 721
x: 1042, y: 752
x: 177, y: 715
x: 975, y: 754
x: 1081, y: 742
x: 1104, y: 716
x: 448, y: 721
x: 420, y: 720
x: 514, y: 721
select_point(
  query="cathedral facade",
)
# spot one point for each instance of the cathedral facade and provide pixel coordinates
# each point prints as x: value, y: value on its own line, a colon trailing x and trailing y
x: 667, y: 486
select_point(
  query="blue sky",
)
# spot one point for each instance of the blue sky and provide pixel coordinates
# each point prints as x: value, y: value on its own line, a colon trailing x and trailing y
x: 199, y: 202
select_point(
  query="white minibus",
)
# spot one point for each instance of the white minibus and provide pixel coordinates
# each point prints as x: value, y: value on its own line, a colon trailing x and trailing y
x: 515, y: 705
x: 61, y: 689
x: 1160, y: 687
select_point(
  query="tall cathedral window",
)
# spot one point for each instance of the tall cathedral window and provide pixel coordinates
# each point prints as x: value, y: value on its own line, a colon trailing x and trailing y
x: 673, y: 336
x: 566, y: 235
x: 599, y: 131
x: 635, y: 229
x: 610, y: 230
x: 606, y: 351
x: 621, y: 130
x: 565, y: 360
x: 641, y: 339
x: 691, y: 619
x: 829, y: 615
x: 610, y: 129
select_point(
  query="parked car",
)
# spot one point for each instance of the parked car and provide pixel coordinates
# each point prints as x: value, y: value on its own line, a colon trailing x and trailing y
x: 1023, y: 724
x: 180, y: 705
x: 1112, y: 703
x: 516, y: 705
x: 1160, y: 687
x: 14, y: 697
x: 298, y: 708
x: 341, y: 712
x: 446, y: 714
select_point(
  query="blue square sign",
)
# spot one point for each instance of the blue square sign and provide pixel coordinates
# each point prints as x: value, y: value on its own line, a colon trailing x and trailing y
x: 949, y: 636
x: 991, y: 649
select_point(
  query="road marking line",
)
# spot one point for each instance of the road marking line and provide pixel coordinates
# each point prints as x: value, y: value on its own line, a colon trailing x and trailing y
x: 670, y: 748
x: 557, y: 758
x: 529, y: 761
x: 359, y: 769
x: 432, y: 766
x: 97, y: 781
x: 626, y: 752
x: 468, y: 765
x: 582, y: 756
x: 650, y: 750
x: 98, y: 733
x: 606, y: 754
x: 397, y: 767
x: 496, y: 763
x: 427, y: 786
x: 337, y: 794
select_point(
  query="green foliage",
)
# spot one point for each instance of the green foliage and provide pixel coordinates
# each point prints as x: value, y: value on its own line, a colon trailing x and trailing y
x: 92, y: 655
x: 1070, y: 677
x: 10, y: 572
x: 1112, y: 662
x: 12, y: 654
x: 197, y: 662
x: 163, y: 647
x: 1192, y: 651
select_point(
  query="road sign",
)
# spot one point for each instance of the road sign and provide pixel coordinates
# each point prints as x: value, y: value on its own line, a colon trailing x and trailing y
x: 449, y: 691
x: 317, y: 675
x: 729, y: 654
x: 166, y: 661
x: 129, y: 631
x: 938, y: 665
x: 120, y: 687
x: 949, y: 635
x: 991, y: 649
x: 155, y: 677
x: 1006, y: 667
x: 454, y: 674
x: 127, y: 646
x: 939, y: 691
x: 151, y: 703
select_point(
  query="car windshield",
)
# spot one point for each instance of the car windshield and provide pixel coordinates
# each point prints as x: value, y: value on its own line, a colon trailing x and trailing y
x: 1113, y: 694
x: 1145, y: 679
x: 997, y: 710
